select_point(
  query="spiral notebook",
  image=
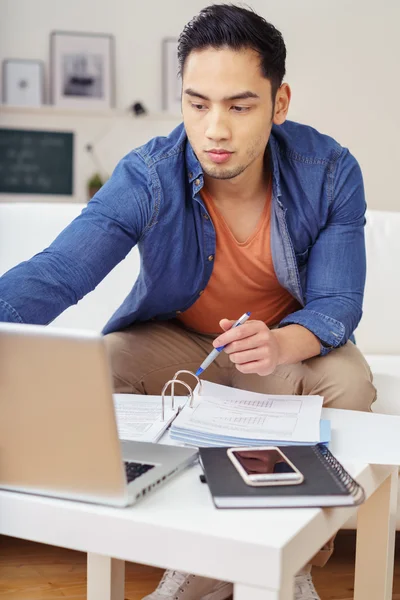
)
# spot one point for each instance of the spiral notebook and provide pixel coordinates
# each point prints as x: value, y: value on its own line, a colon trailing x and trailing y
x: 326, y: 482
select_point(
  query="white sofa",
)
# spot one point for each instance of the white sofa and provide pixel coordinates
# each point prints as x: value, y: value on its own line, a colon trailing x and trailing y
x: 25, y: 229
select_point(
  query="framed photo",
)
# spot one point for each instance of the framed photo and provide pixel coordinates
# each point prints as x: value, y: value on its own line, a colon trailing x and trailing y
x: 22, y: 83
x: 171, y: 82
x: 82, y: 70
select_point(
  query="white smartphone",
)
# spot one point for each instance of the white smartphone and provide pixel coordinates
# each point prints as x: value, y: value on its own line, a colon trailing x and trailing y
x: 265, y: 465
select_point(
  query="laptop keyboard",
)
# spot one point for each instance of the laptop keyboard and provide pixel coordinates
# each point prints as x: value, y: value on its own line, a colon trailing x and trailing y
x: 134, y: 470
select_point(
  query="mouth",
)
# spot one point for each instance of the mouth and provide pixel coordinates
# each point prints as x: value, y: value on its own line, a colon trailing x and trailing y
x: 219, y: 155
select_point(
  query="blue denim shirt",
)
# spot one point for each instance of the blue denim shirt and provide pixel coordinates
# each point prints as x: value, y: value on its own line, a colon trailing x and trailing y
x: 153, y: 200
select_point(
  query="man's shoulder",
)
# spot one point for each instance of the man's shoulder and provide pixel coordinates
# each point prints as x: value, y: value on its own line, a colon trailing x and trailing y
x: 163, y: 147
x: 134, y: 171
x: 305, y: 144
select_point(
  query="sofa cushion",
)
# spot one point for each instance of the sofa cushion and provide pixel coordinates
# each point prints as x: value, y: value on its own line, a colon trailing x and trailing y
x: 28, y: 228
x: 386, y: 372
x: 379, y: 330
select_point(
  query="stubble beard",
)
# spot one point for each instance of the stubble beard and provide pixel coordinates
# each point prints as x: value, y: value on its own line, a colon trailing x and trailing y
x: 216, y: 173
x: 231, y: 173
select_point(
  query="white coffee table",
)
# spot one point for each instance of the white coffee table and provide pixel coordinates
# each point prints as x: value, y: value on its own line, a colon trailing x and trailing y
x: 178, y: 527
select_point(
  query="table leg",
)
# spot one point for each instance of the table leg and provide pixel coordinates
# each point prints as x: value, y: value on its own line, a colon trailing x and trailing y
x: 105, y: 578
x: 248, y: 592
x: 376, y: 531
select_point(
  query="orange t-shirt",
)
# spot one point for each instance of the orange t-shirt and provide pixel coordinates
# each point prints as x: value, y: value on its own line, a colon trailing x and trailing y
x: 243, y: 278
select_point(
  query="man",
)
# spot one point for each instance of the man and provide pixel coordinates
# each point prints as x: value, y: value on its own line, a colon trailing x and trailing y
x: 236, y: 210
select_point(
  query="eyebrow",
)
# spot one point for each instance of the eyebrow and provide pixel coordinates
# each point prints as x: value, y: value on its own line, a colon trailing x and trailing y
x: 240, y: 96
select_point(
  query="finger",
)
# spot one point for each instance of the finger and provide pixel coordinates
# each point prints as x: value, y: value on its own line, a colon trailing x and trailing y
x: 255, y: 354
x: 226, y: 324
x: 253, y: 341
x: 258, y: 366
x: 238, y: 333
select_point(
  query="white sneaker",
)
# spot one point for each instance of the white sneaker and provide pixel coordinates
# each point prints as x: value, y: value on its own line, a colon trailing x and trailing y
x: 221, y: 591
x: 304, y: 588
x: 176, y: 585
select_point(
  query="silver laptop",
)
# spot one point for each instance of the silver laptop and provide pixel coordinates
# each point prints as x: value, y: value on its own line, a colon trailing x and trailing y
x: 58, y: 431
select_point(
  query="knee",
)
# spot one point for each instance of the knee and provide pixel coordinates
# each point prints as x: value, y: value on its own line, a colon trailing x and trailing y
x: 354, y: 391
x: 344, y: 379
x: 112, y: 343
x: 117, y: 359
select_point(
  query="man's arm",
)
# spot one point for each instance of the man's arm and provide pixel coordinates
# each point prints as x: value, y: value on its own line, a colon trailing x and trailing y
x: 295, y: 344
x: 336, y: 267
x: 38, y: 290
x: 334, y: 292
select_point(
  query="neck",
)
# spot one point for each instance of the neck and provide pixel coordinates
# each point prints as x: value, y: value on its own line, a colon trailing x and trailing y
x: 245, y: 188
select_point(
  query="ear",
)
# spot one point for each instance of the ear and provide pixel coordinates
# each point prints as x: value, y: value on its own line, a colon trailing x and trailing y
x: 282, y: 101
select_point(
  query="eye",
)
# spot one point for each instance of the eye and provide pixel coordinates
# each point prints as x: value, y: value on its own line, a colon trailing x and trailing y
x: 198, y: 106
x: 240, y: 109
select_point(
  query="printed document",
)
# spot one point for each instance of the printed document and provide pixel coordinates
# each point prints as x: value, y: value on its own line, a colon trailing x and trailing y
x: 231, y: 413
x: 139, y: 417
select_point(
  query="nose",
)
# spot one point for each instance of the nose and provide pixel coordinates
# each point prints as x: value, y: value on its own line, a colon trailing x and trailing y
x: 217, y: 126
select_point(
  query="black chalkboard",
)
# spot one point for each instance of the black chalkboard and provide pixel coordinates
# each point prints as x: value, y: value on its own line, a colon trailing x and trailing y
x: 36, y: 162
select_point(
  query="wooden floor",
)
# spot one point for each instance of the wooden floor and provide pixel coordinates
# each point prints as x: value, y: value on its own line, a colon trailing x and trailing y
x: 30, y: 571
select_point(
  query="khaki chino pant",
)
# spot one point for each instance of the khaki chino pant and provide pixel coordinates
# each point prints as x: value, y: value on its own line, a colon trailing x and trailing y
x: 146, y: 355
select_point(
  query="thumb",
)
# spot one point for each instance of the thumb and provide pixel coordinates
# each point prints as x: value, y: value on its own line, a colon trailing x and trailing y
x: 226, y: 324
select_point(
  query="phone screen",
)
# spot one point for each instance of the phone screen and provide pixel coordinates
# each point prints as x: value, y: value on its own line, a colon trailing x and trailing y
x: 263, y: 462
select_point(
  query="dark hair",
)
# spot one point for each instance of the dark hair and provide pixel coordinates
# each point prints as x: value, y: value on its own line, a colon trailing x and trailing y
x: 228, y: 25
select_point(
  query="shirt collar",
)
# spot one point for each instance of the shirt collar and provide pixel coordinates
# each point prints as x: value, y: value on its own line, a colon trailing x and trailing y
x: 194, y: 170
x: 274, y: 153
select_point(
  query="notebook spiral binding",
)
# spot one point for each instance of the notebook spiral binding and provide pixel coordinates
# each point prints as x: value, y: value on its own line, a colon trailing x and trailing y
x: 172, y: 383
x: 339, y: 472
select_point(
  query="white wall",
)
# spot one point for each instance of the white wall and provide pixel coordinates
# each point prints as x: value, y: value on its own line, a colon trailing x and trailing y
x: 343, y: 59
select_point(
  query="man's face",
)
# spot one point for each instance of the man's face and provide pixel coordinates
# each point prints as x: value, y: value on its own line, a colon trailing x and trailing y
x: 227, y: 109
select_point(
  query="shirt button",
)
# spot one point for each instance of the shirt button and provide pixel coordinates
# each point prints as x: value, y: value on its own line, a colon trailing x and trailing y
x: 211, y: 257
x: 206, y: 216
x: 190, y: 175
x: 178, y: 312
x: 200, y: 292
x: 197, y: 181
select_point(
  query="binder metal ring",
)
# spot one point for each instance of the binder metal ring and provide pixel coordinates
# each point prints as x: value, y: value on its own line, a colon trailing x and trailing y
x: 173, y: 389
x: 172, y: 382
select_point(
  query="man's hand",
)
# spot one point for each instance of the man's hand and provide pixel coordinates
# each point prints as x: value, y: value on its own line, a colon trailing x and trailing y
x: 252, y: 347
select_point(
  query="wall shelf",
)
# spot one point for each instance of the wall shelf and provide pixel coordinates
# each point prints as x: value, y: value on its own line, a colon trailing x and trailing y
x: 111, y: 134
x: 49, y: 110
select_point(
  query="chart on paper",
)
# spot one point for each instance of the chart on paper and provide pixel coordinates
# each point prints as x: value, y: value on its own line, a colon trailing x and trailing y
x: 206, y: 418
x: 225, y: 412
x: 272, y: 404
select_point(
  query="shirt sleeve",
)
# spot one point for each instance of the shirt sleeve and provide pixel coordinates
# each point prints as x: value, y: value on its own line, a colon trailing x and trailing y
x: 38, y: 290
x: 336, y: 267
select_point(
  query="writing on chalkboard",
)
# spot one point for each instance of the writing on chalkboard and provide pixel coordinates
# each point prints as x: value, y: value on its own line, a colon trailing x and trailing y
x: 36, y: 162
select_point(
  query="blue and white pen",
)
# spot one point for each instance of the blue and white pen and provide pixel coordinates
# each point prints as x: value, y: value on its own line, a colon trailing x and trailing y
x: 214, y: 353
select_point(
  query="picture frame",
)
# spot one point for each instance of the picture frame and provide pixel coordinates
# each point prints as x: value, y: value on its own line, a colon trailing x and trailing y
x: 82, y: 70
x: 22, y: 82
x: 171, y: 82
